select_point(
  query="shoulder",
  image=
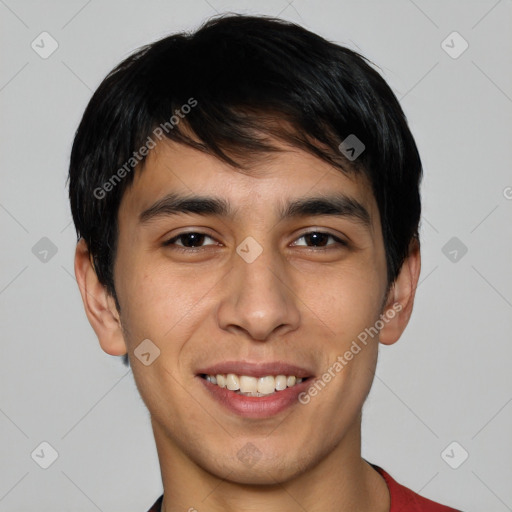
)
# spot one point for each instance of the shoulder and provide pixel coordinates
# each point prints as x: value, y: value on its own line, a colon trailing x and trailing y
x: 405, y: 500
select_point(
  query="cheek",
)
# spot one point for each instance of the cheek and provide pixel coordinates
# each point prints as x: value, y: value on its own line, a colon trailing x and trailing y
x: 346, y: 300
x: 352, y: 303
x: 159, y: 301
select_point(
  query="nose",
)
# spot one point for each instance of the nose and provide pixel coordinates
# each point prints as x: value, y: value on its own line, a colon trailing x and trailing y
x: 258, y: 299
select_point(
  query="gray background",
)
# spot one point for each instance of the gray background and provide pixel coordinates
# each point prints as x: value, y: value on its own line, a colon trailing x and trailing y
x: 448, y: 378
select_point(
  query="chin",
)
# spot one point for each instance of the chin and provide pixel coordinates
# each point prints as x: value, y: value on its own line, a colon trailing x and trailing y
x: 254, y: 468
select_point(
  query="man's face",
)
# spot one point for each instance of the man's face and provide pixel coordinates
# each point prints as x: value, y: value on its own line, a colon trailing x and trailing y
x: 212, y: 303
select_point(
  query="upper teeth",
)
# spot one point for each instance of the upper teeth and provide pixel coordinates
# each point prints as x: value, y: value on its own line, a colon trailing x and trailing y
x: 246, y: 384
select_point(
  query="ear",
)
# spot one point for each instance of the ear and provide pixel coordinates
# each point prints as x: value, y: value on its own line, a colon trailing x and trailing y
x: 99, y: 305
x: 400, y: 299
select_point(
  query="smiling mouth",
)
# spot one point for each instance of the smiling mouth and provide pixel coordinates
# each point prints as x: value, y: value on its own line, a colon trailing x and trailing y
x: 247, y: 385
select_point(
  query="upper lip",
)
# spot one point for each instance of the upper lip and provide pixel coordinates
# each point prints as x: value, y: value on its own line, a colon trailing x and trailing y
x: 256, y: 369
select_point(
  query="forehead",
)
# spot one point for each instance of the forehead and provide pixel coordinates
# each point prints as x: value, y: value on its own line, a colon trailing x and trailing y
x: 263, y: 186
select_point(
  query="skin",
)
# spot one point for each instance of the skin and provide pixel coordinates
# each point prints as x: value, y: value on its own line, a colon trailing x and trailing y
x: 297, y: 302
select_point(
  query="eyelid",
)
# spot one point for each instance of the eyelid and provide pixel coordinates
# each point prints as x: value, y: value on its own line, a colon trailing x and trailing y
x: 321, y: 231
x: 339, y: 239
x: 169, y: 240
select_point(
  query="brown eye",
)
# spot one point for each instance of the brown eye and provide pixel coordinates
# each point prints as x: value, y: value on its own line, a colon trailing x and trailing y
x: 318, y: 239
x: 190, y: 240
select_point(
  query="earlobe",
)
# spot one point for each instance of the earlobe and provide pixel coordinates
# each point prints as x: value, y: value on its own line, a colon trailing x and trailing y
x: 99, y: 305
x: 400, y: 300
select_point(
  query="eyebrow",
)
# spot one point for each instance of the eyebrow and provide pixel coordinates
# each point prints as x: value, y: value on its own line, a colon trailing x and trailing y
x: 337, y: 205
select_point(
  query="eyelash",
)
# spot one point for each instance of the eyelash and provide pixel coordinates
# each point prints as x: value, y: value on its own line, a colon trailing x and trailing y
x: 171, y: 242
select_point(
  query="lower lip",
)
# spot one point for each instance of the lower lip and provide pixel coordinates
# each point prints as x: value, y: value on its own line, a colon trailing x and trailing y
x: 256, y: 406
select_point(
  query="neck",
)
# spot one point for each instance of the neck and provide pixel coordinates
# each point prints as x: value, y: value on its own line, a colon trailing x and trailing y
x: 340, y: 481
